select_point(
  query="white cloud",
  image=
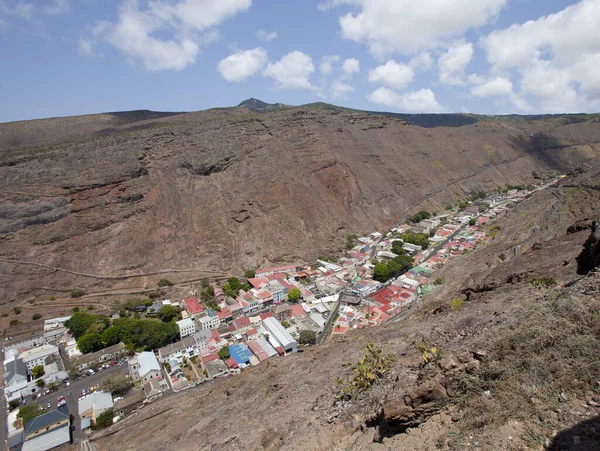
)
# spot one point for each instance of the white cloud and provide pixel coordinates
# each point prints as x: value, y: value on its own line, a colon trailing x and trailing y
x: 292, y: 71
x: 85, y: 47
x: 266, y: 35
x: 57, y: 7
x: 189, y: 23
x: 453, y: 63
x: 22, y: 10
x: 422, y: 61
x: 243, y: 64
x: 392, y: 74
x: 422, y: 101
x: 406, y: 27
x: 350, y: 67
x: 327, y: 62
x: 556, y: 58
x: 340, y: 90
x: 496, y: 87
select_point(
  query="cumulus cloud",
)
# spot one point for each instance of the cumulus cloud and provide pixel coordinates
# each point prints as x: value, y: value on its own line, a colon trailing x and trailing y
x: 496, y: 87
x: 392, y: 74
x: 350, y: 67
x: 421, y: 62
x: 184, y: 26
x: 292, y: 71
x: 242, y: 64
x: 556, y: 58
x: 406, y: 27
x: 84, y: 47
x: 340, y: 89
x: 266, y: 35
x: 454, y: 62
x: 327, y: 62
x: 421, y: 101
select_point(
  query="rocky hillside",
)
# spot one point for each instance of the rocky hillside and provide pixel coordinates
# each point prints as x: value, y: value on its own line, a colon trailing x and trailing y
x: 516, y: 364
x: 96, y: 199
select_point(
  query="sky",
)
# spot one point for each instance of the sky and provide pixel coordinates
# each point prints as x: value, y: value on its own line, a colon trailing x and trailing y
x: 71, y: 57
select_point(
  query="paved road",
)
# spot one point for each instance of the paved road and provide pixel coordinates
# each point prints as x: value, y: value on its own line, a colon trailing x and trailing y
x: 75, y: 388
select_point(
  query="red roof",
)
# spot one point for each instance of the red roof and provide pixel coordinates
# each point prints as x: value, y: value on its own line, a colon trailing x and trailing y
x: 215, y: 334
x: 224, y: 313
x: 443, y: 232
x: 193, y: 306
x: 257, y: 350
x: 264, y: 316
x: 209, y: 357
x: 276, y: 277
x: 289, y: 286
x: 258, y: 282
x: 231, y: 363
x: 280, y: 350
x: 241, y: 322
x: 297, y: 310
x: 251, y: 331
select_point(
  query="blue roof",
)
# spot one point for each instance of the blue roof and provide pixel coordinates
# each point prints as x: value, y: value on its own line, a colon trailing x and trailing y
x: 211, y: 312
x: 240, y: 353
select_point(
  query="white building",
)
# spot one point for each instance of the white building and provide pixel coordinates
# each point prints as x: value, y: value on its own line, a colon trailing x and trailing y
x: 144, y: 367
x: 278, y: 292
x: 278, y: 332
x: 93, y: 405
x: 178, y: 350
x: 208, y: 322
x: 202, y: 338
x: 186, y: 327
x: 55, y: 323
x: 36, y: 356
x: 411, y: 248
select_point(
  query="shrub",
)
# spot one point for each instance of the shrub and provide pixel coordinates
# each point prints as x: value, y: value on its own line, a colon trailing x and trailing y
x: 52, y: 298
x: 29, y: 412
x: 36, y: 316
x: 17, y: 310
x: 37, y: 371
x: 39, y: 383
x: 307, y: 337
x: 165, y: 283
x: 428, y: 353
x: 418, y: 217
x: 77, y: 292
x: 12, y: 405
x: 543, y: 282
x: 249, y: 274
x: 104, y: 420
x: 30, y: 301
x: 371, y: 368
x: 90, y: 307
x: 285, y: 324
x: 75, y: 309
x: 438, y: 281
x: 14, y: 322
x: 472, y: 221
x: 224, y: 353
x: 457, y: 303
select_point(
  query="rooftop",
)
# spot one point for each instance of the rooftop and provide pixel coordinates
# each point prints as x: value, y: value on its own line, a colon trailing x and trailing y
x: 148, y: 362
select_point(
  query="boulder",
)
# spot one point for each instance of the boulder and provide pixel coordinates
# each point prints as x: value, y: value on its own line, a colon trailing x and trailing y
x: 590, y: 255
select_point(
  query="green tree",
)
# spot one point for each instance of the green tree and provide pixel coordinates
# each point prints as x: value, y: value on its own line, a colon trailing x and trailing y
x: 12, y: 405
x: 294, y: 294
x: 472, y: 221
x: 40, y: 383
x: 418, y: 217
x: 117, y: 384
x: 350, y: 239
x: 105, y: 419
x: 136, y: 315
x: 167, y: 313
x: 29, y: 412
x: 37, y: 371
x: 77, y: 292
x: 307, y: 337
x: 250, y: 274
x: 36, y: 316
x: 52, y: 298
x: 165, y: 283
x: 204, y: 283
x: 75, y: 309
x: 90, y: 343
x: 111, y: 336
x: 17, y: 310
x: 381, y: 272
x: 14, y: 322
x: 397, y: 247
x: 81, y: 323
x: 285, y: 324
x: 224, y: 353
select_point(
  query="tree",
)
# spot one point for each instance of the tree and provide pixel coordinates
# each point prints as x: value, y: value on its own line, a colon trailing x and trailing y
x: 81, y: 323
x: 36, y: 316
x: 307, y: 337
x: 105, y: 419
x: 12, y: 405
x: 167, y: 313
x: 204, y: 283
x: 29, y: 412
x: 77, y: 292
x: 165, y: 283
x: 117, y: 384
x: 111, y: 336
x: 472, y: 221
x: 250, y: 274
x: 350, y: 241
x: 418, y: 217
x: 14, y: 322
x: 438, y: 281
x: 294, y: 294
x: 285, y: 324
x: 40, y: 383
x: 90, y: 343
x: 397, y: 247
x: 17, y: 310
x: 381, y: 272
x: 224, y: 353
x: 37, y: 371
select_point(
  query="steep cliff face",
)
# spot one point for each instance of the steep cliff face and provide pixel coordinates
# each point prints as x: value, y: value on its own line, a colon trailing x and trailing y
x: 229, y: 189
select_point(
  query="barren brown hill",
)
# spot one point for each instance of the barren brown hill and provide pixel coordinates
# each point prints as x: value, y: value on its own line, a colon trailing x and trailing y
x: 518, y: 368
x: 109, y: 202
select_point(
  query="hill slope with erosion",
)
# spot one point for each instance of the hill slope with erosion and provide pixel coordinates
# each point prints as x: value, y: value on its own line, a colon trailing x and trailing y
x: 106, y: 197
x: 518, y: 366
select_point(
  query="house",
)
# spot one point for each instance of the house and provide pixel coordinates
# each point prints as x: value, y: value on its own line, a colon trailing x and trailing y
x: 144, y: 367
x: 47, y: 431
x: 36, y: 356
x: 283, y: 338
x: 208, y: 320
x: 283, y: 311
x: 186, y: 327
x: 278, y: 270
x: 130, y: 403
x: 178, y: 350
x: 219, y: 293
x: 241, y: 325
x: 192, y: 306
x: 240, y: 353
x: 411, y: 248
x: 91, y: 406
x: 104, y: 355
x: 201, y: 339
x: 153, y: 389
x: 225, y: 315
x: 54, y: 335
x: 55, y: 323
x: 215, y: 368
x: 15, y: 374
x: 278, y: 292
x: 297, y: 310
x: 234, y: 368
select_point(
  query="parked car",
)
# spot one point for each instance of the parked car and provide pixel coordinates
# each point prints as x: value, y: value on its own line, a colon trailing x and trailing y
x: 69, y: 394
x: 49, y: 406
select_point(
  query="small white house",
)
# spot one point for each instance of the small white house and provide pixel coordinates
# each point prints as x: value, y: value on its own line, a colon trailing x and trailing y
x: 186, y: 327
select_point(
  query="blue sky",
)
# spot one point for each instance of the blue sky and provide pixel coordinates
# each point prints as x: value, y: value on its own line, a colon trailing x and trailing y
x: 69, y: 57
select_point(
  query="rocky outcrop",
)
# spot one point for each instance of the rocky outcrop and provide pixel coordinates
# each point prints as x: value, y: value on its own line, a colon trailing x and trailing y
x: 590, y: 255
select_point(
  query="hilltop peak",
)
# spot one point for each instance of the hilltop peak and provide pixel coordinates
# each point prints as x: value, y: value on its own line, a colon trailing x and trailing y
x: 258, y: 105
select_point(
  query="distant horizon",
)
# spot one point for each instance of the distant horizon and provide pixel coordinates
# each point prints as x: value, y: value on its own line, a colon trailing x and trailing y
x: 372, y: 111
